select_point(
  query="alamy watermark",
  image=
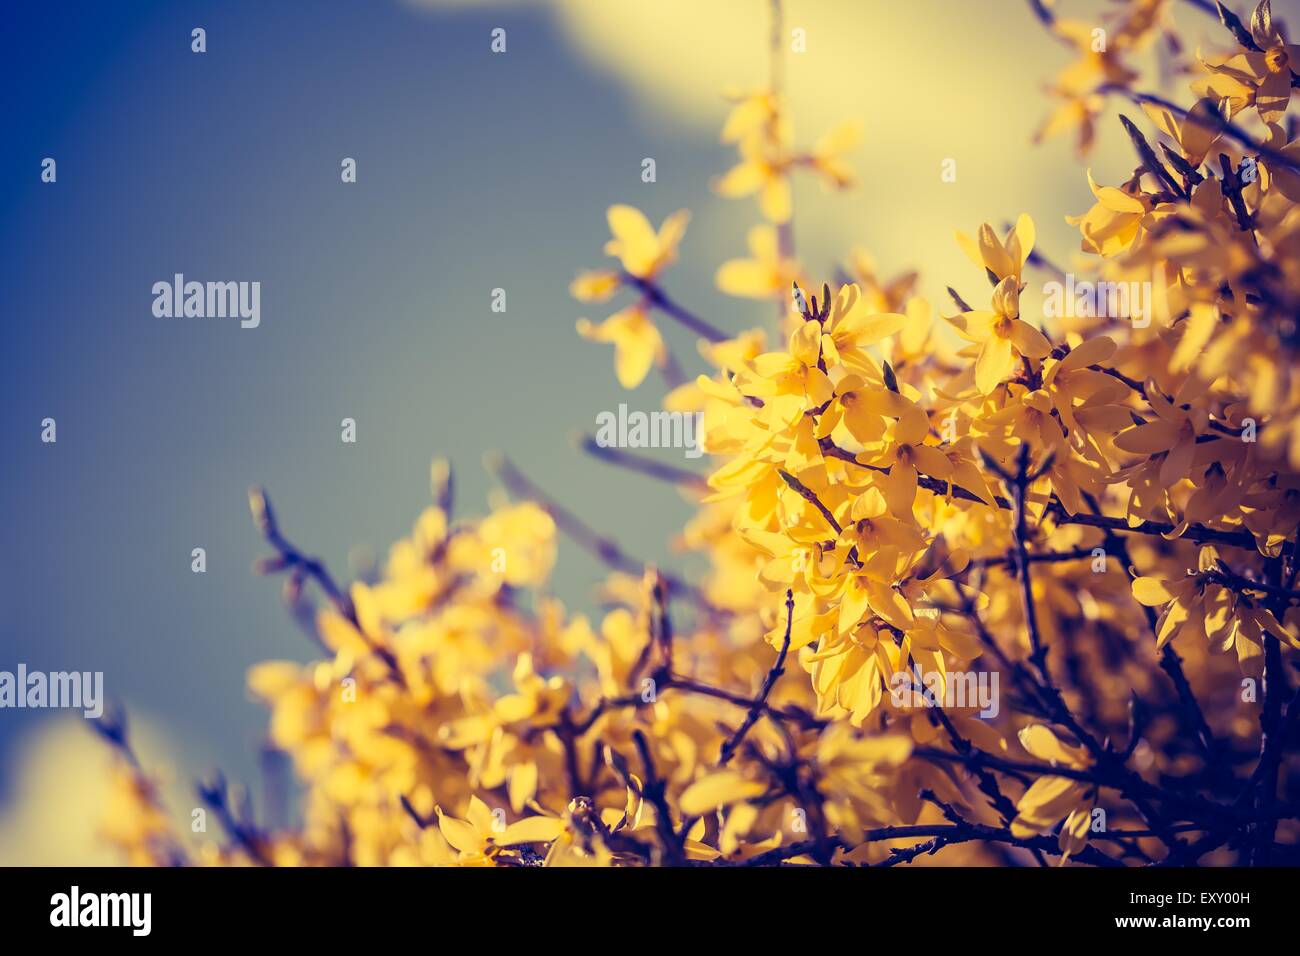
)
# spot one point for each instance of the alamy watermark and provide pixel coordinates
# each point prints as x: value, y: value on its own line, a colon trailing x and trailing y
x: 636, y: 429
x: 1135, y: 301
x: 208, y: 300
x: 950, y: 689
x: 75, y: 690
x: 130, y: 910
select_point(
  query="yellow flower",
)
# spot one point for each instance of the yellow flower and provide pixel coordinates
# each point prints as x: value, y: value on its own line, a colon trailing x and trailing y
x: 1051, y: 798
x: 1074, y: 112
x: 794, y: 372
x: 824, y: 157
x: 851, y: 329
x: 637, y: 342
x: 759, y: 172
x: 1278, y: 174
x: 482, y: 835
x: 520, y: 542
x: 758, y: 127
x: 1097, y: 65
x: 878, y: 295
x: 849, y: 671
x: 718, y: 790
x: 1169, y: 439
x: 1028, y: 417
x: 1001, y: 258
x: 754, y: 114
x: 1260, y: 77
x: 862, y: 409
x: 1001, y: 336
x: 1112, y: 224
x: 1195, y: 132
x: 765, y: 275
x: 904, y: 452
x: 1201, y: 605
x: 1083, y: 398
x: 883, y: 542
x: 595, y: 286
x: 134, y: 819
x: 643, y: 252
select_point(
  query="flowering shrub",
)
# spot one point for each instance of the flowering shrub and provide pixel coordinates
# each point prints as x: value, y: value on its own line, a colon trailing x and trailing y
x: 1022, y: 590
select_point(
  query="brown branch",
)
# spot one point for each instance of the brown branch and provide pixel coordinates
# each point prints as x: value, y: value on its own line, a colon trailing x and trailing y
x: 604, y: 549
x: 1238, y: 582
x: 1043, y: 557
x: 641, y: 464
x: 1199, y: 534
x: 795, y: 716
x: 1019, y: 492
x: 1210, y: 119
x: 216, y: 795
x: 290, y: 558
x: 654, y: 790
x: 810, y: 496
x: 1272, y: 728
x: 659, y: 299
x: 988, y: 783
x: 1110, y: 776
x: 1170, y: 662
x: 941, y: 834
x: 760, y: 702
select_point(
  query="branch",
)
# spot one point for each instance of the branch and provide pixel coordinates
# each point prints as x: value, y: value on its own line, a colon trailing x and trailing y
x: 602, y: 548
x: 654, y: 790
x: 216, y: 796
x: 796, y: 716
x: 1238, y: 582
x: 760, y: 702
x: 1230, y: 21
x: 642, y: 464
x: 1220, y: 125
x: 810, y: 496
x: 659, y: 299
x: 1170, y: 662
x: 988, y: 783
x: 1199, y: 534
x: 1272, y: 731
x: 941, y: 834
x: 290, y: 558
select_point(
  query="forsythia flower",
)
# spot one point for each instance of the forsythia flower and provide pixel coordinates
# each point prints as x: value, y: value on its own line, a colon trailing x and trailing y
x: 1001, y: 336
x: 910, y: 550
x: 1051, y: 797
x: 1112, y: 224
x: 644, y: 253
x: 637, y: 343
x: 1259, y: 77
x: 765, y: 275
x: 758, y: 126
x: 1001, y: 258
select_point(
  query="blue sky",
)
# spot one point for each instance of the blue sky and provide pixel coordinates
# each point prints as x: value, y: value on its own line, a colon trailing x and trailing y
x: 475, y: 172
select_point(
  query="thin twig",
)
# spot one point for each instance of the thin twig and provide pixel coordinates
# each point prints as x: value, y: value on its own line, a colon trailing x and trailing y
x: 642, y: 465
x: 596, y: 544
x: 760, y: 702
x: 656, y: 297
x: 290, y: 558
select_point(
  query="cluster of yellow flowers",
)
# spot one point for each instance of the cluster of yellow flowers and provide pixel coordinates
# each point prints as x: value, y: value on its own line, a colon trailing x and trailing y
x: 1101, y: 512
